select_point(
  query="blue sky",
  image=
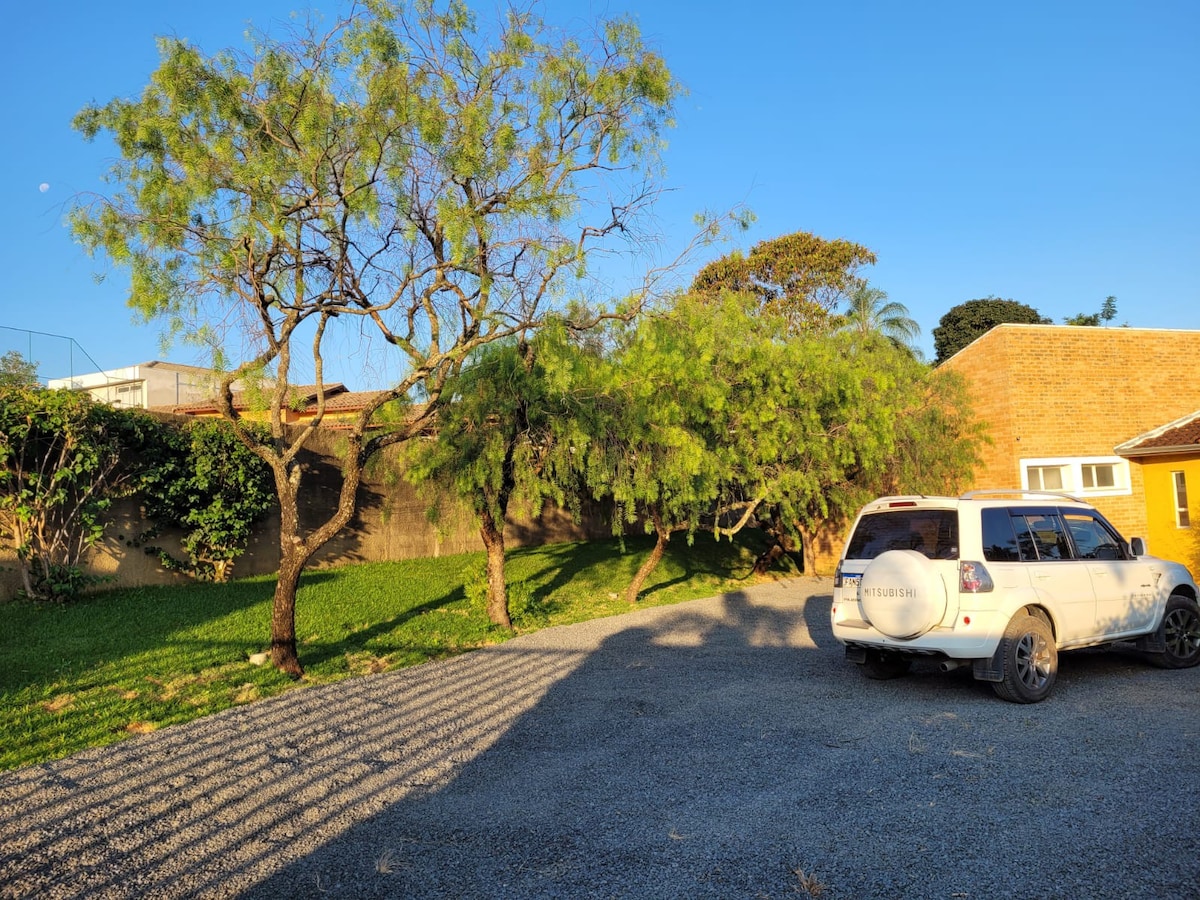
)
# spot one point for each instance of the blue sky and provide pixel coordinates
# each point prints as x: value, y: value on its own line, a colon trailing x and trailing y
x: 1044, y: 151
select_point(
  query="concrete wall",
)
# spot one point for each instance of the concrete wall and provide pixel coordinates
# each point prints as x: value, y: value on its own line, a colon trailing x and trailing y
x: 1065, y: 391
x: 390, y: 524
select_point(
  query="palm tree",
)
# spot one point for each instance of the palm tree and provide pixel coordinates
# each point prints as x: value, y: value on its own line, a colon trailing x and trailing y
x: 870, y: 312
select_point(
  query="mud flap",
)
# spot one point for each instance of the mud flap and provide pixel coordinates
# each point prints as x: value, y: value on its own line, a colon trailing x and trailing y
x: 856, y: 655
x: 1154, y: 642
x: 992, y: 668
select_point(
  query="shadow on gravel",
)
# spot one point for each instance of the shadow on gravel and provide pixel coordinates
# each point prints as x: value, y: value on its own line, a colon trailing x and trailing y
x: 709, y: 749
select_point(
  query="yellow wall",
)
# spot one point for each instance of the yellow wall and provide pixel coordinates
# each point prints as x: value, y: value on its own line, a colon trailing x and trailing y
x: 1165, y: 538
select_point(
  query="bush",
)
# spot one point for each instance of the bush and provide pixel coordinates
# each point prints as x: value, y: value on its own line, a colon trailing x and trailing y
x: 210, y: 485
x: 63, y: 459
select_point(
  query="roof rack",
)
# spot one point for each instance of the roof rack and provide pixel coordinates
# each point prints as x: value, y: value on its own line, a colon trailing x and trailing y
x: 1023, y: 493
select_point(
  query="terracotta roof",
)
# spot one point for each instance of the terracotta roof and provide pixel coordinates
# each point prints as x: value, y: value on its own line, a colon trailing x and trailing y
x: 1180, y: 436
x: 336, y: 398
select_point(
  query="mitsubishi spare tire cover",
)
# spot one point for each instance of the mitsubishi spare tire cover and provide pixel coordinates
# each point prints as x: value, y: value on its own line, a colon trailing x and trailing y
x: 902, y: 594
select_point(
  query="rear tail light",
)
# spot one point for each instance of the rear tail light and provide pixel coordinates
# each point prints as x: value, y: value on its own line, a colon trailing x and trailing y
x: 973, y: 578
x: 837, y: 575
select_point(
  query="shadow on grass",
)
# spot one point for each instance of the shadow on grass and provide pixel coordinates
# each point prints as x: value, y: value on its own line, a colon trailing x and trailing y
x: 45, y: 639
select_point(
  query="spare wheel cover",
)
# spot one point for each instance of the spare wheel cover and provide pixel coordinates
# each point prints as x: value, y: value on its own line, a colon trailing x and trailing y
x: 902, y: 594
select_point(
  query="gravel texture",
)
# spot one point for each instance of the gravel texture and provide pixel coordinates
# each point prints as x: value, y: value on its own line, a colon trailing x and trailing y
x: 718, y: 748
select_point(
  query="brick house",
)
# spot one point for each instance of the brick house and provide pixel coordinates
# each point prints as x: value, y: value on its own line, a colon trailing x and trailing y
x: 1059, y: 400
x: 1169, y: 460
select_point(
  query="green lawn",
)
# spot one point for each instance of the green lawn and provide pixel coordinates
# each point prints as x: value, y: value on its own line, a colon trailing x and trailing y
x: 130, y: 661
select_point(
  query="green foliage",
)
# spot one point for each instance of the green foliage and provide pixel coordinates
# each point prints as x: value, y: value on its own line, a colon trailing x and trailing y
x: 964, y: 323
x: 63, y: 459
x: 708, y: 414
x: 210, y: 485
x: 801, y: 276
x: 717, y: 415
x: 16, y: 371
x: 487, y: 442
x: 1107, y: 313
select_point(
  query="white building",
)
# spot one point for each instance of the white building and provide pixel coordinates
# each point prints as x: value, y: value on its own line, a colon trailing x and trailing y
x: 149, y: 384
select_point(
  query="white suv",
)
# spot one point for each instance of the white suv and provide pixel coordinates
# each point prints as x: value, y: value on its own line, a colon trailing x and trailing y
x: 1000, y: 582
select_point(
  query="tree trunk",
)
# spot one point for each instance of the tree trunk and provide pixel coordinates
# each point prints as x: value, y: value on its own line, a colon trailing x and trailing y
x: 781, y: 544
x: 294, y: 554
x: 493, y: 542
x: 809, y: 548
x: 652, y: 561
x: 283, y: 614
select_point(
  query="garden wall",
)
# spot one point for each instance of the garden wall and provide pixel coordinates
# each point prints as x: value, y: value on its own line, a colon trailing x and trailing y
x: 390, y: 524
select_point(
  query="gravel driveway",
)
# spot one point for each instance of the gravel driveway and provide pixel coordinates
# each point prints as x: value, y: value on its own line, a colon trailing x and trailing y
x: 718, y: 748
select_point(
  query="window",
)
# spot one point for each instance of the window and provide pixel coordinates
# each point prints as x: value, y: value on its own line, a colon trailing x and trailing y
x: 1094, y: 476
x: 1099, y: 475
x: 1045, y: 478
x: 129, y: 395
x: 1092, y: 539
x: 1045, y: 532
x: 933, y: 532
x: 1182, y: 519
x: 999, y: 539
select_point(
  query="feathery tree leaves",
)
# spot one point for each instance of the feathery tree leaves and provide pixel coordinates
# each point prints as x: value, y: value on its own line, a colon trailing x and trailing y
x: 710, y: 415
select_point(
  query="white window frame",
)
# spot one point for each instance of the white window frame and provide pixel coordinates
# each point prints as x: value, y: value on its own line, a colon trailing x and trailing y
x: 1072, y: 472
x: 1183, y: 518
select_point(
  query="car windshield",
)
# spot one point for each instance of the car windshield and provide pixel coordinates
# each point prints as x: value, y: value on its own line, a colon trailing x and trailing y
x: 933, y: 532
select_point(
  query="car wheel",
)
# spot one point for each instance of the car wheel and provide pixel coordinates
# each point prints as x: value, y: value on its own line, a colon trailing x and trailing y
x: 882, y: 665
x: 1180, y: 632
x: 1030, y: 660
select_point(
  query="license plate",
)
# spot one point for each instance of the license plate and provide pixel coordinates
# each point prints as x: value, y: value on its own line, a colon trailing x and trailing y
x: 850, y: 585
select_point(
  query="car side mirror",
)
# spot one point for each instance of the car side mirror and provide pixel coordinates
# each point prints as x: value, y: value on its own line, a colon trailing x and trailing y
x: 1137, y: 546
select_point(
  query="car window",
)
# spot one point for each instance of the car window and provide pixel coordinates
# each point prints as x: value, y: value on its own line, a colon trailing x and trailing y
x: 1092, y: 539
x: 999, y: 537
x: 1045, y: 537
x: 932, y: 532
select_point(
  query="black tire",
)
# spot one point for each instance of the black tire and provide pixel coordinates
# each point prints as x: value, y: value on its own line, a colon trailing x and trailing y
x: 1180, y: 632
x: 882, y: 665
x: 1030, y: 660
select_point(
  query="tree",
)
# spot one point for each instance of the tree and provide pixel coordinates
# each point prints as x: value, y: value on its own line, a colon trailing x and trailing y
x: 964, y: 323
x: 710, y: 416
x: 487, y: 444
x: 1107, y: 313
x: 63, y: 459
x: 406, y: 173
x: 800, y: 276
x: 210, y: 485
x: 16, y: 371
x: 869, y: 311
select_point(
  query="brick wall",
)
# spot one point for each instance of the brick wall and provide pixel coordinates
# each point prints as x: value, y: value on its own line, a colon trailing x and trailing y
x: 1065, y: 391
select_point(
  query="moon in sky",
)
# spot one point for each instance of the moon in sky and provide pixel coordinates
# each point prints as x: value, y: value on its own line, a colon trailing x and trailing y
x: 43, y: 187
